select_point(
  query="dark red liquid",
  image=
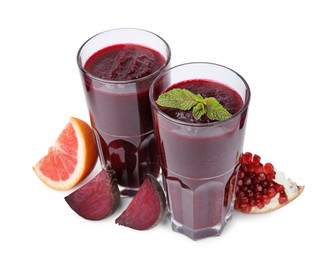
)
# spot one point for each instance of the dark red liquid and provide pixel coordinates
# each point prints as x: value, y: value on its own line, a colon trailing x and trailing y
x: 124, y: 62
x: 120, y: 114
x: 198, y: 162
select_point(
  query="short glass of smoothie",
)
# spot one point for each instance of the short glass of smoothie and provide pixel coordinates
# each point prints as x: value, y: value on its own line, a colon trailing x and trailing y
x: 199, y: 157
x: 117, y: 68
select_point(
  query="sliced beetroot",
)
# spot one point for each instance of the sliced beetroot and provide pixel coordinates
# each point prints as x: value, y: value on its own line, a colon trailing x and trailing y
x: 146, y: 208
x: 96, y: 199
x: 259, y: 188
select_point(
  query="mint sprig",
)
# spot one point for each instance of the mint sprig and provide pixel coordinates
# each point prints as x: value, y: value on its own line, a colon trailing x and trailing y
x: 184, y: 99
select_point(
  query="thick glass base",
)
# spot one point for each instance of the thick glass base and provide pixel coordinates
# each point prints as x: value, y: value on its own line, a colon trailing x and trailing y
x: 198, y: 233
x: 203, y: 211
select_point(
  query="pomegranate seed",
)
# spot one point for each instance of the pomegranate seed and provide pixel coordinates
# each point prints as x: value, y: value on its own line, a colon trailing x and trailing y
x: 265, y: 199
x: 239, y: 182
x: 265, y: 191
x: 247, y: 181
x: 271, y: 192
x: 282, y: 198
x: 251, y: 167
x: 250, y: 193
x: 255, y: 181
x: 252, y: 202
x: 240, y: 194
x: 246, y: 157
x: 279, y: 187
x: 259, y: 187
x: 270, y: 176
x: 259, y: 204
x: 261, y: 176
x: 268, y: 168
x: 244, y: 200
x: 257, y: 196
x: 245, y: 208
x: 259, y: 168
x: 244, y: 168
x: 256, y: 159
x: 265, y: 183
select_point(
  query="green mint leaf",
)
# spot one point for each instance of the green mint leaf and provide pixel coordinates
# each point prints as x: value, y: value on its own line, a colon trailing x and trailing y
x: 199, y: 98
x: 182, y: 99
x: 215, y: 111
x: 199, y: 110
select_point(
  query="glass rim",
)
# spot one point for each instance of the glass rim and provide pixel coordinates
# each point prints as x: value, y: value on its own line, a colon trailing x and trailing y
x: 129, y: 81
x: 215, y: 123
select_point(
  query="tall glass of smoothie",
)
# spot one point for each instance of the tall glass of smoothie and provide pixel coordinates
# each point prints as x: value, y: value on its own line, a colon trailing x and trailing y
x: 199, y: 157
x: 117, y: 68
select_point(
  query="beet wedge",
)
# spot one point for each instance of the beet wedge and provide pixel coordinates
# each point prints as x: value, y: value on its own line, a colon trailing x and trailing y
x: 147, y: 208
x: 98, y: 198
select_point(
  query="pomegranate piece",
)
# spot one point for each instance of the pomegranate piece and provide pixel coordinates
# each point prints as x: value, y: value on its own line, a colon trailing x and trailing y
x: 259, y: 188
x: 96, y: 199
x: 147, y: 208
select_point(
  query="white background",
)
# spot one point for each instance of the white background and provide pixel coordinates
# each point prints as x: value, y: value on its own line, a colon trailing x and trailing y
x: 285, y: 51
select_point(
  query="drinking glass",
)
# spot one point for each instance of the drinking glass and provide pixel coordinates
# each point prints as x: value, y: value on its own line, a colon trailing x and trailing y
x: 199, y: 160
x: 119, y: 110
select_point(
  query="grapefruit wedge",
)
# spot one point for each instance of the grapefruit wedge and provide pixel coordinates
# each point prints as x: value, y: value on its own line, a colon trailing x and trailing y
x: 71, y: 159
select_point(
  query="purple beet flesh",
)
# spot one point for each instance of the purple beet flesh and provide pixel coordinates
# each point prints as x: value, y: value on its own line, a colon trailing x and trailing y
x: 147, y: 208
x: 96, y: 199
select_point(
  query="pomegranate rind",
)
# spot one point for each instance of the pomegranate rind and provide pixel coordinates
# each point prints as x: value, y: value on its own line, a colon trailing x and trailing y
x: 85, y: 158
x: 292, y: 191
x: 147, y: 208
x: 97, y: 199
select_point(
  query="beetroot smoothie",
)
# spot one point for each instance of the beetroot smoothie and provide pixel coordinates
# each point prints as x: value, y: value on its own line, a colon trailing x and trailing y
x: 116, y: 83
x: 198, y: 158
